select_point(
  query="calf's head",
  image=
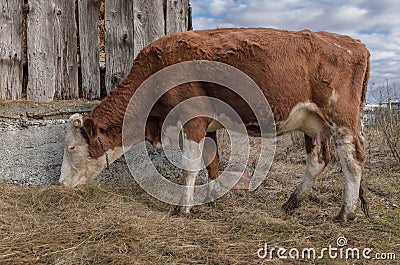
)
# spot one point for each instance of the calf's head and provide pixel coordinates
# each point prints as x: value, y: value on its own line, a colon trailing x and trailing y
x: 78, y: 166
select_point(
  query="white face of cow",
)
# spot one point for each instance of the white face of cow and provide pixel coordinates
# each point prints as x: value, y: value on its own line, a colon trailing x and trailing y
x: 78, y: 167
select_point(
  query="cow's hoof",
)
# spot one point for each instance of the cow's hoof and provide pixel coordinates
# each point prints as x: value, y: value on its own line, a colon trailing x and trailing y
x: 179, y: 211
x: 291, y: 205
x: 343, y: 217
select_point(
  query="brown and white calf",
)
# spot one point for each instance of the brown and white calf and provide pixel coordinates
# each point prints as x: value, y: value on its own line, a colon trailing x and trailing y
x: 314, y: 82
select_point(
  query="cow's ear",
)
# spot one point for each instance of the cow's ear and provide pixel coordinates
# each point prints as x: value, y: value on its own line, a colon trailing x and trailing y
x: 76, y: 120
x: 90, y: 127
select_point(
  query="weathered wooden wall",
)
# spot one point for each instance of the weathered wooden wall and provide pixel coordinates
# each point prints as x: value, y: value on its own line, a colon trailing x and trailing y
x: 119, y: 28
x: 148, y: 25
x: 129, y: 26
x: 177, y: 13
x: 67, y: 55
x: 41, y: 52
x: 55, y: 42
x: 88, y: 11
x: 11, y: 28
x: 52, y: 50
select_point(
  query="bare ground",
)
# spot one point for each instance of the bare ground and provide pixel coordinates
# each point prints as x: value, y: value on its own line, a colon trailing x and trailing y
x: 103, y: 225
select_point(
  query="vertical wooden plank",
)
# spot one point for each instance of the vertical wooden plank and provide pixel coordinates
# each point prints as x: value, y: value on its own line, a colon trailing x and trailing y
x: 11, y: 76
x: 41, y: 51
x: 89, y: 47
x: 66, y: 50
x: 177, y: 16
x: 149, y: 23
x: 118, y: 40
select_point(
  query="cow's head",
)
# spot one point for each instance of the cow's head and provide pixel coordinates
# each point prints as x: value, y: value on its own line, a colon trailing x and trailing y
x: 78, y: 166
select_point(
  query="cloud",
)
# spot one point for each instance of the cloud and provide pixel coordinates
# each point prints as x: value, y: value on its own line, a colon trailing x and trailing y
x: 218, y: 7
x: 351, y: 13
x: 375, y: 23
x: 383, y: 55
x: 203, y: 22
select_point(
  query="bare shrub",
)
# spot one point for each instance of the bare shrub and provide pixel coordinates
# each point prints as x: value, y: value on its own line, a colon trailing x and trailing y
x: 388, y: 117
x: 388, y: 120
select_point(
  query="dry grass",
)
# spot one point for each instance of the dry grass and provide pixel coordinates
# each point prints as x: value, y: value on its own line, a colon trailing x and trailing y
x: 102, y: 225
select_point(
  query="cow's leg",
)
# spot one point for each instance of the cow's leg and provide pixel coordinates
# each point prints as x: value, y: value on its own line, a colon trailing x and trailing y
x: 352, y: 159
x: 318, y: 157
x: 211, y: 157
x: 194, y: 132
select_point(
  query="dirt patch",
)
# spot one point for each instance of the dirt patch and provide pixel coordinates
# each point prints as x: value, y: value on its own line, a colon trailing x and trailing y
x: 104, y: 225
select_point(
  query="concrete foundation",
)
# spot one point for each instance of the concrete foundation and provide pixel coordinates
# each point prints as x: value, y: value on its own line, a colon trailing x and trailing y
x: 32, y: 145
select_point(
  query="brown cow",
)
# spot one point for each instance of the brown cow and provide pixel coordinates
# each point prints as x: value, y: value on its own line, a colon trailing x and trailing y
x: 314, y: 82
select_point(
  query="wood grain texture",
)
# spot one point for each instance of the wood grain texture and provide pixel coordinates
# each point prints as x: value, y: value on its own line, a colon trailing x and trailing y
x: 11, y: 52
x: 89, y: 47
x: 149, y: 23
x: 129, y: 26
x: 41, y: 51
x: 52, y: 42
x: 118, y: 40
x: 66, y: 50
x: 177, y: 13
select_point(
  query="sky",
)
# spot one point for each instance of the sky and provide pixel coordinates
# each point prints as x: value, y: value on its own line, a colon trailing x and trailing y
x: 375, y: 22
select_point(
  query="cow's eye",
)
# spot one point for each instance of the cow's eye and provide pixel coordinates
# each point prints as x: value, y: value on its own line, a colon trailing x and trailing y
x: 71, y: 147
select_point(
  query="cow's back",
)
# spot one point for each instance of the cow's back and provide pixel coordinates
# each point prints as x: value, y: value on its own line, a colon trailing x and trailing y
x: 289, y: 67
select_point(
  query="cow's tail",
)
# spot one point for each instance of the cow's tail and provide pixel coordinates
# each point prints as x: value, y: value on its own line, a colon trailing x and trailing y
x: 365, y: 83
x: 363, y: 187
x: 364, y: 96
